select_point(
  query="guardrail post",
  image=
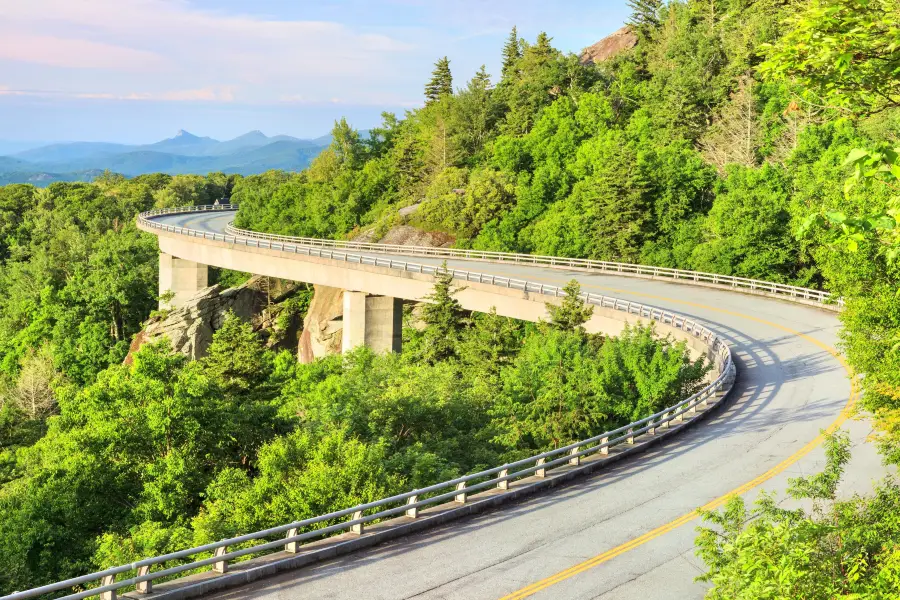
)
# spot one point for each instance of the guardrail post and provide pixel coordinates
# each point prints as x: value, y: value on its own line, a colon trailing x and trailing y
x: 693, y: 409
x: 679, y: 417
x: 605, y: 448
x: 292, y: 547
x: 540, y: 472
x: 222, y: 565
x: 630, y: 438
x: 503, y: 484
x: 575, y: 460
x: 461, y: 497
x: 665, y: 421
x: 357, y: 528
x: 144, y: 587
x: 108, y: 580
x: 413, y: 512
x: 652, y: 430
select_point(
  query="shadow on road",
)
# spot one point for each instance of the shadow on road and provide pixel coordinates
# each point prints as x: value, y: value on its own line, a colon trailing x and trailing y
x: 753, y: 408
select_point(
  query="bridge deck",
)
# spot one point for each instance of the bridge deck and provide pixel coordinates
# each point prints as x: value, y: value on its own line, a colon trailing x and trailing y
x: 789, y: 387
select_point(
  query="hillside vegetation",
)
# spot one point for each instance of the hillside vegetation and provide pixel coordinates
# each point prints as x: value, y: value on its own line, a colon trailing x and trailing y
x: 103, y: 463
x: 745, y: 138
x: 749, y: 138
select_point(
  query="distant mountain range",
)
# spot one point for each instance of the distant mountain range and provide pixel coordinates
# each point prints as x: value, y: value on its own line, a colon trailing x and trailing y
x: 250, y: 153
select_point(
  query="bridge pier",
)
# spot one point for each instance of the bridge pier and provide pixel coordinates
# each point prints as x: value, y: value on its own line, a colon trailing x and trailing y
x: 372, y: 321
x: 182, y: 277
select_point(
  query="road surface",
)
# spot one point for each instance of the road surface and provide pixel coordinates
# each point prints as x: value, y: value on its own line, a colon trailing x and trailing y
x: 789, y: 387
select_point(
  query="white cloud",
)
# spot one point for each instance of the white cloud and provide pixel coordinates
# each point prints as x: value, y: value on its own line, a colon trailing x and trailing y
x: 164, y: 44
x: 75, y: 53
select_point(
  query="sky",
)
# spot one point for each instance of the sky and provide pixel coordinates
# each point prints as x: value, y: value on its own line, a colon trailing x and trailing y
x: 137, y: 71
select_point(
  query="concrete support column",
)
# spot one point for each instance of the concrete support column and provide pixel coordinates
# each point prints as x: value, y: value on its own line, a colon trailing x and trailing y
x: 372, y: 321
x: 183, y: 277
x: 354, y: 320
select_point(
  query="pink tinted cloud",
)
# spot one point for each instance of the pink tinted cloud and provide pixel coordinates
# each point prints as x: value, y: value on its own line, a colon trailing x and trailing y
x: 216, y: 56
x: 76, y: 53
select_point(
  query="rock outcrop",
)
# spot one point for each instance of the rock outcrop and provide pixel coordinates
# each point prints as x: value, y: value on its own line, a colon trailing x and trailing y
x: 407, y: 235
x: 190, y: 328
x: 322, y: 327
x: 615, y: 43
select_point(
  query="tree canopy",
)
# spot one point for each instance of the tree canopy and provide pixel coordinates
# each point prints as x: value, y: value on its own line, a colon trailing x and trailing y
x: 756, y: 139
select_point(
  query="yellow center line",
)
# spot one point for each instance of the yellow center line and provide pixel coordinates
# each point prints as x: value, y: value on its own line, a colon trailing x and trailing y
x: 718, y: 502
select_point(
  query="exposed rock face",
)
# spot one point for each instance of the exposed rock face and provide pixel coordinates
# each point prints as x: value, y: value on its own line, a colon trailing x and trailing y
x: 190, y: 327
x: 405, y: 212
x: 406, y: 235
x: 322, y: 327
x: 613, y: 44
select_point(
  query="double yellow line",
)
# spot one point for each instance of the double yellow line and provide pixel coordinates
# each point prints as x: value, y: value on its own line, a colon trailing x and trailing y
x: 716, y: 503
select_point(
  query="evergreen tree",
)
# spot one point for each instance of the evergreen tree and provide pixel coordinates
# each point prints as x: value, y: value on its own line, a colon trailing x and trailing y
x: 512, y: 52
x: 541, y: 76
x: 441, y: 83
x: 475, y: 113
x: 490, y: 344
x: 481, y: 82
x: 542, y: 45
x: 444, y: 318
x: 573, y: 313
x: 237, y: 359
x: 644, y: 15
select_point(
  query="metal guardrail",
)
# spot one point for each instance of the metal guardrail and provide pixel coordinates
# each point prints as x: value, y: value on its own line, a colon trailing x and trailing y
x: 739, y: 283
x: 755, y: 285
x: 408, y: 503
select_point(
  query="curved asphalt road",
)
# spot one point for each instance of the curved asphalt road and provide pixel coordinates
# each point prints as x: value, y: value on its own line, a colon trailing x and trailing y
x: 789, y: 388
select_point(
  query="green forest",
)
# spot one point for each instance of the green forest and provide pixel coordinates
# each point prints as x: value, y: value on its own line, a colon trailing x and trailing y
x: 741, y: 137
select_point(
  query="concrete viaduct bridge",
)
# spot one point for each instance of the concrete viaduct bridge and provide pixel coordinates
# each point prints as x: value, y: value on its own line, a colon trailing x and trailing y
x: 625, y: 532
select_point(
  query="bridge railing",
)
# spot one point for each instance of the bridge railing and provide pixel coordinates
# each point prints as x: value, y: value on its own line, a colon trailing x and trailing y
x: 354, y: 519
x: 826, y: 299
x: 740, y: 283
x: 408, y: 504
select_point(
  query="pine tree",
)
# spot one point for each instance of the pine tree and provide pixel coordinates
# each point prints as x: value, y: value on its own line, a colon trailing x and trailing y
x: 481, y: 82
x: 573, y: 312
x: 512, y: 52
x: 644, y: 15
x: 444, y: 319
x: 490, y: 344
x: 542, y: 45
x: 237, y: 359
x: 476, y: 112
x: 441, y: 83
